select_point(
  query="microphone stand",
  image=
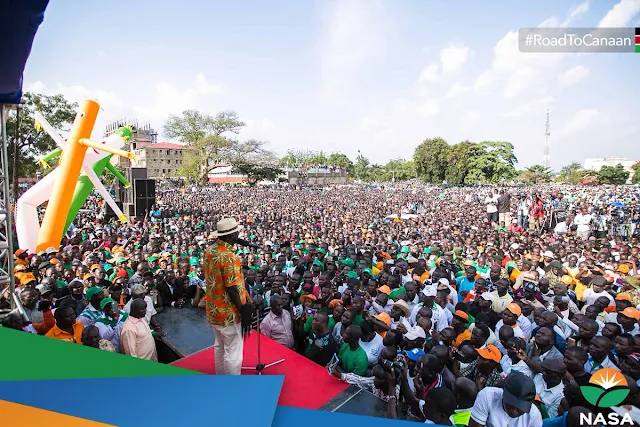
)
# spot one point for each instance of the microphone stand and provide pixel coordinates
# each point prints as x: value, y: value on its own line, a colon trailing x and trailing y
x: 260, y: 366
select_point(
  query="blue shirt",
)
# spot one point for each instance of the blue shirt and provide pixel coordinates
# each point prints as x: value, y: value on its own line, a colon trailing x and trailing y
x: 464, y: 285
x: 556, y: 422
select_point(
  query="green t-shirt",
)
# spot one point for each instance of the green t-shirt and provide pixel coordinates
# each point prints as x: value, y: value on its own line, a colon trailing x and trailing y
x: 394, y: 293
x: 353, y: 361
x: 307, y: 324
x: 358, y: 319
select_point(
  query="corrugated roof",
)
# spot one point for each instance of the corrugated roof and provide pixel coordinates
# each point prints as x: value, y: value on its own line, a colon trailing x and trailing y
x: 168, y: 145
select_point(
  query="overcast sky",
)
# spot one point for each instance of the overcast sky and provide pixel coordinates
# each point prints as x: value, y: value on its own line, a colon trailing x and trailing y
x: 348, y: 75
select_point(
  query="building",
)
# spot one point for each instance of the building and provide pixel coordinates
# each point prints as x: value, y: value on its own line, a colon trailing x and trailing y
x: 596, y: 164
x: 316, y: 176
x: 161, y: 160
x: 223, y: 175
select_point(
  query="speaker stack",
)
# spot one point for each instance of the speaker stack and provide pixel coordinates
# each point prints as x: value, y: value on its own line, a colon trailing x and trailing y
x: 141, y: 196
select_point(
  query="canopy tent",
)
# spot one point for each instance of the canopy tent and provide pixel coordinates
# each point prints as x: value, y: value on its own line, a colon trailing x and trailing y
x: 19, y: 21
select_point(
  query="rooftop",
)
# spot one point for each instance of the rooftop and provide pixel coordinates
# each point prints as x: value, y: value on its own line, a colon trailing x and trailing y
x: 168, y: 145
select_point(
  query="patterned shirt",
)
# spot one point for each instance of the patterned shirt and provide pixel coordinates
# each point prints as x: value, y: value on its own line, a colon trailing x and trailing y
x: 223, y: 269
x: 495, y: 378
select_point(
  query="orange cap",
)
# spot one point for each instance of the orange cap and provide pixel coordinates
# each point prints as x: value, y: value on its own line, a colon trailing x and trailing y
x: 383, y: 317
x: 514, y: 308
x: 623, y: 296
x: 490, y: 352
x: 94, y: 266
x: 27, y: 278
x: 385, y: 289
x: 462, y: 314
x: 19, y: 252
x: 86, y: 276
x: 631, y: 312
x: 623, y: 268
x: 54, y: 261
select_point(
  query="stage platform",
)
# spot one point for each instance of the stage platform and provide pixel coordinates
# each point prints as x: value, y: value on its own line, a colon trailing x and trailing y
x: 306, y: 385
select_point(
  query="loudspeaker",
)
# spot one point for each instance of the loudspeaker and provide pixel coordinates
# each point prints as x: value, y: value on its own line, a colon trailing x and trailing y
x: 138, y: 173
x: 145, y: 188
x: 143, y: 206
x: 145, y: 196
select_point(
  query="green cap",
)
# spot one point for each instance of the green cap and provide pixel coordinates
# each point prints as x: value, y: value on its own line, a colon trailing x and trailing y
x: 322, y: 251
x: 427, y: 250
x: 194, y: 261
x: 368, y: 271
x: 556, y: 264
x: 108, y: 267
x: 153, y: 258
x: 405, y: 250
x: 348, y: 262
x: 352, y: 275
x: 92, y: 291
x: 106, y: 301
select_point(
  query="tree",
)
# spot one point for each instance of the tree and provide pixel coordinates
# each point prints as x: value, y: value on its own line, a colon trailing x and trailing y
x: 430, y: 159
x: 256, y: 172
x: 26, y: 143
x: 340, y: 160
x: 615, y: 175
x: 398, y: 169
x: 635, y: 179
x: 458, y: 161
x: 536, y: 174
x: 498, y: 161
x: 572, y: 173
x: 208, y: 134
x: 361, y: 169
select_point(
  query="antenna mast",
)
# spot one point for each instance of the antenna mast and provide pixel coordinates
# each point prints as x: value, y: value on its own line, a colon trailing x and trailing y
x: 546, y: 156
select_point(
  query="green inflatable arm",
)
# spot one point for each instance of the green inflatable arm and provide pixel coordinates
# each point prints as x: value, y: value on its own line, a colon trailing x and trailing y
x: 118, y: 175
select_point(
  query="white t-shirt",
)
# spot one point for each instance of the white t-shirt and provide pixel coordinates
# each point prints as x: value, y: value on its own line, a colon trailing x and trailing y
x: 151, y: 310
x: 582, y: 221
x: 492, y: 204
x: 488, y: 411
x: 373, y: 348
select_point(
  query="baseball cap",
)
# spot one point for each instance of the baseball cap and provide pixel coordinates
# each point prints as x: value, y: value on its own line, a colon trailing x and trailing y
x: 461, y: 314
x: 519, y: 391
x: 415, y: 333
x: 548, y: 254
x: 43, y: 288
x: 414, y: 353
x: 138, y: 289
x: 385, y: 289
x: 514, y: 308
x: 402, y: 305
x: 623, y: 296
x: 383, y: 317
x: 623, y: 268
x: 490, y: 352
x: 554, y: 365
x: 486, y: 296
x: 631, y: 312
x: 429, y: 291
x: 92, y: 291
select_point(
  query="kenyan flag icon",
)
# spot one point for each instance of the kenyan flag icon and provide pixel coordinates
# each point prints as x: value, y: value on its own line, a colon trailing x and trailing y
x: 609, y: 388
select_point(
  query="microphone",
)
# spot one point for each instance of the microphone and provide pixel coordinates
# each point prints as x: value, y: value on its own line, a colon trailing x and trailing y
x: 243, y: 242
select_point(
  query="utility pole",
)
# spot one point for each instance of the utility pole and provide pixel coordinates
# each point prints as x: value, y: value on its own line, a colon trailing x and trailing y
x: 546, y: 156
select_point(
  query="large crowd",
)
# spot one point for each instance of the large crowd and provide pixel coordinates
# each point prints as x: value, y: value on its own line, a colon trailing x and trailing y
x: 456, y: 306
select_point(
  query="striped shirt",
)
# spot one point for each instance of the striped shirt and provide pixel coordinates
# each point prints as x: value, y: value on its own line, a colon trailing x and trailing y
x: 89, y: 316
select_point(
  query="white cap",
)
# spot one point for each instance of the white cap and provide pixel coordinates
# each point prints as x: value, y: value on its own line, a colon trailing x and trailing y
x: 415, y: 333
x: 486, y: 296
x: 429, y: 291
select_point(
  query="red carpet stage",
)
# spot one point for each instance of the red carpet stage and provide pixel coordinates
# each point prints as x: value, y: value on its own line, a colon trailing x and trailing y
x: 306, y: 385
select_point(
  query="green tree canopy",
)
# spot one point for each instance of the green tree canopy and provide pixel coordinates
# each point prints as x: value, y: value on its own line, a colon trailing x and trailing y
x: 536, y: 174
x: 208, y: 134
x: 256, y: 172
x: 430, y: 159
x: 26, y: 143
x: 636, y: 173
x: 615, y: 175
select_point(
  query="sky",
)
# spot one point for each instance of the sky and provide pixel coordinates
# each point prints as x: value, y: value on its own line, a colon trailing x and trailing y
x: 347, y: 75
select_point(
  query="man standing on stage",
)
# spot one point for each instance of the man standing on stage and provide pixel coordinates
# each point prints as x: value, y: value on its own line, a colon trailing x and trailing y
x: 228, y: 303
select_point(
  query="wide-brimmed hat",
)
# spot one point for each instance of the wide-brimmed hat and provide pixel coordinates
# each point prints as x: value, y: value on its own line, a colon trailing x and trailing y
x: 226, y: 226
